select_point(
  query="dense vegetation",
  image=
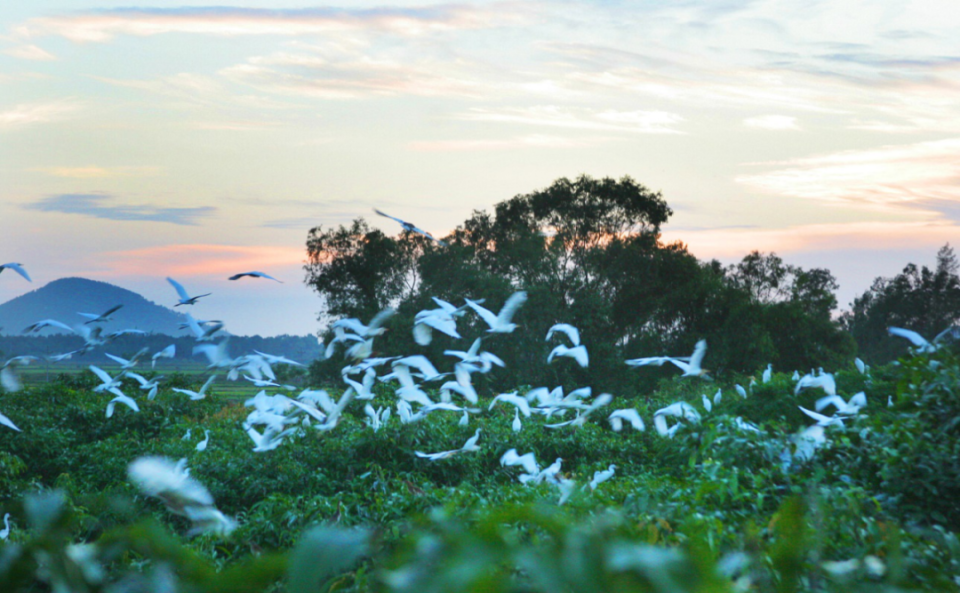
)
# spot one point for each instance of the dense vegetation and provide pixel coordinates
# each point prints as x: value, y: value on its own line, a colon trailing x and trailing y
x: 728, y: 503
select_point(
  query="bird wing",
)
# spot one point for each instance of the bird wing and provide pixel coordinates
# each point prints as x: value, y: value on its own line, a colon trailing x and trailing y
x: 572, y: 332
x: 698, y: 351
x: 179, y: 288
x: 915, y: 338
x: 510, y: 307
x: 101, y: 374
x: 18, y: 269
x: 488, y: 317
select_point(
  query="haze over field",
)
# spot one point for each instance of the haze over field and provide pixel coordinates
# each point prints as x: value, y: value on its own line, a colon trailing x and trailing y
x: 199, y: 141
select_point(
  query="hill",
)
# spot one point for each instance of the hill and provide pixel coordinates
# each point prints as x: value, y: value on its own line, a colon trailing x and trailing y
x: 62, y: 299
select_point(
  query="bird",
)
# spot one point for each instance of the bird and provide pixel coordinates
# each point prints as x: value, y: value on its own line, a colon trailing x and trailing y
x: 121, y: 399
x: 824, y: 381
x: 102, y: 317
x: 202, y: 445
x: 602, y: 476
x: 861, y: 367
x: 923, y: 346
x: 35, y: 327
x: 630, y: 415
x: 578, y: 353
x: 8, y: 422
x: 740, y: 390
x: 152, y: 384
x: 767, y: 373
x: 821, y: 419
x: 845, y: 408
x: 520, y: 403
x: 681, y: 410
x: 470, y: 445
x: 5, y: 532
x: 433, y: 319
x: 501, y: 322
x: 527, y: 461
x: 185, y: 299
x: 707, y: 404
x: 168, y: 352
x: 409, y: 226
x: 517, y: 426
x: 254, y: 275
x: 196, y: 395
x: 571, y: 332
x: 691, y: 367
x: 18, y: 268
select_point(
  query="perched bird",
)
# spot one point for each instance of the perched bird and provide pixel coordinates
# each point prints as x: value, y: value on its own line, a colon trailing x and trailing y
x: 202, y: 445
x: 602, y: 476
x: 707, y: 404
x: 517, y: 426
x: 767, y: 373
x: 501, y: 322
x: 18, y: 268
x: 254, y: 275
x: 5, y: 532
x: 185, y: 299
x: 408, y: 226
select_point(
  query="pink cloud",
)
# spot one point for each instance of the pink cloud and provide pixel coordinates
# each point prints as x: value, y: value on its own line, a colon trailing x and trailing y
x: 201, y: 260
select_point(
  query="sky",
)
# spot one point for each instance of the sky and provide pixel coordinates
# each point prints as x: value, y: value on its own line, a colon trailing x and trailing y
x: 198, y: 140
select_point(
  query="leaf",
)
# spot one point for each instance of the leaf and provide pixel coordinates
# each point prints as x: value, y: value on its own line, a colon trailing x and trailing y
x: 322, y: 553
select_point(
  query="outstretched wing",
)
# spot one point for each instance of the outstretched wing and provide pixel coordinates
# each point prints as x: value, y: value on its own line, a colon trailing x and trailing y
x: 179, y: 288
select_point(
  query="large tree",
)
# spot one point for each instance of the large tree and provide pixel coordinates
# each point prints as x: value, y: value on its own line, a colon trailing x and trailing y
x: 921, y: 299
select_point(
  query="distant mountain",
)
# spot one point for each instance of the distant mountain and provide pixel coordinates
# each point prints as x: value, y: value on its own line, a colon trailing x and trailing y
x: 62, y: 299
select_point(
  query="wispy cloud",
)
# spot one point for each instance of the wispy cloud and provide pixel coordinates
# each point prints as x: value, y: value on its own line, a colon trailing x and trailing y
x: 892, y: 236
x: 638, y: 122
x: 772, y: 122
x: 202, y: 259
x: 531, y: 141
x: 30, y: 52
x: 906, y: 178
x: 93, y: 172
x: 26, y: 114
x: 101, y: 206
x: 103, y: 25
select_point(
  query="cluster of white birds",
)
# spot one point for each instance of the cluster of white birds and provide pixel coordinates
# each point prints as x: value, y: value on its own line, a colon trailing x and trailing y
x: 277, y: 417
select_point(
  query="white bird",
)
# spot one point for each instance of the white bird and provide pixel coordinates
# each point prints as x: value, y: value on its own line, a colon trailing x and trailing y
x: 187, y: 435
x: 648, y: 361
x: 767, y: 373
x: 517, y: 425
x: 8, y: 376
x: 371, y: 330
x: 408, y: 226
x: 168, y: 352
x: 205, y: 332
x: 824, y: 381
x: 269, y: 440
x: 707, y: 405
x: 571, y: 332
x: 860, y: 366
x: 850, y: 408
x: 101, y: 318
x: 739, y: 388
x: 196, y: 395
x: 680, y: 410
x: 512, y: 398
x: 433, y: 319
x: 35, y: 327
x: 527, y: 461
x: 185, y: 299
x: 923, y: 346
x: 501, y: 322
x: 254, y: 275
x: 821, y: 419
x: 578, y: 353
x: 630, y: 415
x: 376, y: 418
x: 477, y: 360
x: 602, y: 476
x: 274, y: 359
x: 152, y: 385
x: 8, y: 422
x: 108, y: 383
x: 125, y: 363
x: 717, y: 397
x: 18, y: 268
x: 550, y: 474
x: 5, y: 532
x: 121, y: 399
x: 692, y: 368
x: 202, y: 445
x: 470, y: 445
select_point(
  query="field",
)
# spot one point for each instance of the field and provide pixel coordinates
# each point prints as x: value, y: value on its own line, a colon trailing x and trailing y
x: 714, y: 508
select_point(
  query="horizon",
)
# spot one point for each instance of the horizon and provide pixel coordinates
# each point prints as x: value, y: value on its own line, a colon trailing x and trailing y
x: 206, y: 140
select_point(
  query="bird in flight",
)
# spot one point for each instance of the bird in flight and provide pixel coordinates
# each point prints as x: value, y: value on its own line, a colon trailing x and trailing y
x: 18, y: 268
x: 409, y: 226
x: 185, y: 299
x: 254, y: 275
x: 105, y: 316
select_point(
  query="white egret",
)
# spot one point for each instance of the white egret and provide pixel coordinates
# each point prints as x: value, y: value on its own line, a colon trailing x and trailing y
x: 578, y: 353
x: 185, y: 298
x: 196, y: 395
x: 821, y: 419
x: 923, y: 346
x: 767, y: 373
x: 527, y: 461
x: 470, y: 445
x: 602, y: 476
x: 825, y: 381
x: 121, y: 399
x: 571, y: 332
x: 844, y: 408
x: 254, y: 275
x: 127, y: 363
x: 5, y: 532
x: 707, y: 405
x: 691, y: 367
x: 18, y: 268
x: 680, y: 410
x: 35, y: 327
x: 168, y: 352
x: 861, y: 367
x: 102, y: 317
x: 181, y: 494
x: 501, y: 322
x: 202, y: 445
x: 152, y: 385
x: 512, y: 398
x: 409, y: 226
x: 630, y: 415
x: 739, y: 388
x: 517, y: 426
x: 8, y: 422
x: 718, y: 396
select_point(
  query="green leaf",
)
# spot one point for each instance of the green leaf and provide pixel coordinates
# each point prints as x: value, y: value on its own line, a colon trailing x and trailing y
x: 322, y: 553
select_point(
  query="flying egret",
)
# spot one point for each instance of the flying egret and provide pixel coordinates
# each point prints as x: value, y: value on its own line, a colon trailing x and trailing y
x: 8, y: 422
x: 680, y: 410
x: 630, y: 415
x: 571, y: 332
x: 409, y: 226
x: 185, y: 299
x: 824, y: 381
x: 18, y: 268
x: 821, y: 419
x: 121, y: 399
x: 35, y: 327
x: 512, y: 398
x: 152, y: 385
x: 102, y: 317
x: 196, y: 395
x: 433, y: 319
x: 692, y: 368
x: 168, y: 352
x: 202, y: 445
x: 254, y: 275
x: 923, y: 346
x: 578, y: 353
x: 501, y: 322
x: 527, y: 461
x: 470, y: 445
x: 844, y: 408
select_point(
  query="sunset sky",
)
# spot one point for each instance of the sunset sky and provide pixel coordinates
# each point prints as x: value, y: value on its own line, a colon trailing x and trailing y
x: 198, y: 141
